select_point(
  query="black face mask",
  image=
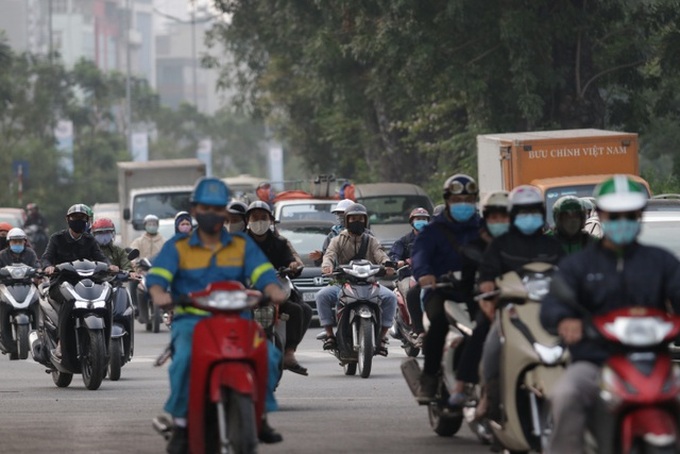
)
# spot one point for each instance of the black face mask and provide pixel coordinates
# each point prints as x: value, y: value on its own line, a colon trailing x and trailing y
x: 77, y: 225
x: 210, y: 223
x: 356, y: 227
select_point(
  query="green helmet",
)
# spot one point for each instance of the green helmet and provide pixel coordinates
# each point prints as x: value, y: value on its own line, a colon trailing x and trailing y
x: 79, y: 208
x: 568, y: 203
x: 619, y: 194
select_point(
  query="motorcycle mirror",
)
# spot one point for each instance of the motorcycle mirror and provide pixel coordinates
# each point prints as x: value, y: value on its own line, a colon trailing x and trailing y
x: 133, y: 254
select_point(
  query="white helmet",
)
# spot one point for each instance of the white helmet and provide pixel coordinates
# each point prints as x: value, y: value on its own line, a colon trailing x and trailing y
x: 342, y: 206
x: 496, y: 199
x: 16, y: 234
x: 525, y: 195
x: 150, y: 218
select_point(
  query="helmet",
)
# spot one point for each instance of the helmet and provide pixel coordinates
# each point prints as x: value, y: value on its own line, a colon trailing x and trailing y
x: 237, y: 207
x: 355, y: 209
x: 588, y: 205
x: 438, y: 209
x: 525, y: 195
x: 182, y: 214
x: 460, y: 184
x: 497, y: 201
x: 568, y: 203
x: 418, y: 213
x: 16, y: 234
x: 150, y: 218
x: 259, y: 205
x: 342, y: 206
x: 79, y: 208
x: 31, y: 206
x: 103, y: 225
x: 5, y: 227
x: 210, y: 191
x: 620, y: 193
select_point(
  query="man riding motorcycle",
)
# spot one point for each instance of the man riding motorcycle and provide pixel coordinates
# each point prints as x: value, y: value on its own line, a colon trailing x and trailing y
x: 259, y: 222
x: 104, y: 232
x: 34, y: 217
x: 612, y: 273
x: 437, y: 252
x: 569, y: 214
x: 339, y: 212
x: 354, y: 243
x: 151, y: 242
x: 18, y: 251
x: 189, y: 263
x: 236, y: 216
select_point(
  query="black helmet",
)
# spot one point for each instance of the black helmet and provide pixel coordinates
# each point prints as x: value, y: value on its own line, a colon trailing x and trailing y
x: 237, y: 207
x: 356, y: 209
x: 460, y: 184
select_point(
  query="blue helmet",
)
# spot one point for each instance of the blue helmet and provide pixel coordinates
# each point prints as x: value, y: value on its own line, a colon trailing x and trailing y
x: 210, y: 191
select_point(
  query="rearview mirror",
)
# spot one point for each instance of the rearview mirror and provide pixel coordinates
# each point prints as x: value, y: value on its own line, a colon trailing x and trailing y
x: 133, y: 254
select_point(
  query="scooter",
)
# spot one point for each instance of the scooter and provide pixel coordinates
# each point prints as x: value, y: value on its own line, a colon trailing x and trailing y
x: 18, y: 309
x: 228, y: 372
x: 531, y: 359
x: 402, y: 329
x: 85, y: 328
x: 149, y: 315
x: 358, y: 316
x: 122, y: 341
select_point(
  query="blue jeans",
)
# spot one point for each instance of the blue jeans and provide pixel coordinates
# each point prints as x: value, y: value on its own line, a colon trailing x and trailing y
x: 328, y: 297
x: 181, y: 338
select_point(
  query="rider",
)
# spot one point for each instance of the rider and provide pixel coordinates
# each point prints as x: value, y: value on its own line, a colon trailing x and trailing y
x: 34, y: 217
x: 5, y: 227
x: 189, y: 263
x: 18, y: 251
x: 437, y: 252
x: 259, y: 224
x: 151, y: 242
x: 400, y: 253
x: 569, y: 215
x: 104, y: 232
x: 612, y: 273
x: 69, y: 245
x: 236, y: 216
x: 354, y: 243
x: 339, y: 212
x: 183, y: 223
x: 524, y: 243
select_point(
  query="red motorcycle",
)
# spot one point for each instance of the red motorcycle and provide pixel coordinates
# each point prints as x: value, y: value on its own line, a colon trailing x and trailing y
x: 228, y: 379
x: 638, y: 407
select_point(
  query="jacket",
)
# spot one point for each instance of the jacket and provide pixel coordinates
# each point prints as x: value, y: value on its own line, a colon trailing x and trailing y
x: 149, y: 245
x: 27, y: 257
x: 603, y: 280
x: 401, y: 249
x: 574, y: 244
x: 344, y: 247
x: 276, y: 249
x: 117, y: 256
x: 62, y: 247
x: 513, y: 250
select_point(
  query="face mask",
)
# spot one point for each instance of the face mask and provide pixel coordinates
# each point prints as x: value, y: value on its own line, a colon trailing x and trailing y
x: 210, y: 223
x: 419, y: 224
x: 77, y: 225
x: 17, y: 248
x: 571, y: 227
x: 151, y: 229
x: 235, y: 227
x: 340, y: 220
x: 621, y: 231
x: 356, y: 227
x: 462, y: 212
x: 498, y: 228
x: 185, y: 228
x: 528, y: 224
x: 104, y: 238
x: 259, y: 227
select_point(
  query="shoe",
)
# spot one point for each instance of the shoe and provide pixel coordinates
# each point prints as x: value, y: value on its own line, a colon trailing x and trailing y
x: 457, y: 399
x: 268, y: 435
x: 427, y: 388
x: 330, y: 343
x: 295, y: 367
x: 179, y: 441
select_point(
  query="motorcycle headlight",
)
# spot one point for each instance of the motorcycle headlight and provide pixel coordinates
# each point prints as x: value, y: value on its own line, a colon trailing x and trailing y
x: 234, y: 300
x: 264, y: 316
x: 537, y: 285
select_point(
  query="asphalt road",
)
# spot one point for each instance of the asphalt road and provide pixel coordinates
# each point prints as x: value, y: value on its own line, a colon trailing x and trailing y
x: 324, y: 412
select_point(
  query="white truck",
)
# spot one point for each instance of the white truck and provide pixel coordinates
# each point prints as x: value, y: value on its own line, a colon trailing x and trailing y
x: 160, y: 187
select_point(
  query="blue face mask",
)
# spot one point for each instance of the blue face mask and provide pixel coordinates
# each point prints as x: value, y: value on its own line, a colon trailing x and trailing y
x: 498, y: 228
x: 529, y: 223
x: 17, y: 248
x: 462, y: 212
x: 621, y: 231
x: 419, y: 224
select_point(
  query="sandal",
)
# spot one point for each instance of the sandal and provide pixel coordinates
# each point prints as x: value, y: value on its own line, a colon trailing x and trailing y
x: 382, y: 349
x: 296, y: 368
x: 330, y: 343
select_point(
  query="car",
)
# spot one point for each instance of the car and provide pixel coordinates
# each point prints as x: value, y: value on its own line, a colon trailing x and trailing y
x: 309, y: 210
x: 659, y: 204
x: 14, y: 216
x: 389, y: 206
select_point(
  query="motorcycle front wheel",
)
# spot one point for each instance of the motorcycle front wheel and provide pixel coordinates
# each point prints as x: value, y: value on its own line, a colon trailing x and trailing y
x: 93, y: 360
x: 22, y: 341
x: 116, y: 360
x: 237, y: 411
x: 366, y: 347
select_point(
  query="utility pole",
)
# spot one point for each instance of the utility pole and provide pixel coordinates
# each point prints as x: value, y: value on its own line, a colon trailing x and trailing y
x: 50, y: 49
x: 193, y: 51
x: 128, y: 94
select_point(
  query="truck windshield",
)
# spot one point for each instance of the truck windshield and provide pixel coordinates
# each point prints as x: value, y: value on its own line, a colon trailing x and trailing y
x: 393, y: 209
x: 165, y: 205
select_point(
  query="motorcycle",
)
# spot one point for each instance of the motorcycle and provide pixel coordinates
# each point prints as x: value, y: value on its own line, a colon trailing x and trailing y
x: 86, y: 327
x: 531, y: 359
x: 445, y: 420
x: 402, y: 329
x: 149, y: 315
x: 122, y: 341
x: 358, y: 316
x: 37, y: 237
x: 228, y: 372
x: 19, y: 309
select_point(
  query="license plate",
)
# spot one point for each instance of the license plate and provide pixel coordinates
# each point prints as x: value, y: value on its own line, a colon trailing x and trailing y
x: 311, y: 296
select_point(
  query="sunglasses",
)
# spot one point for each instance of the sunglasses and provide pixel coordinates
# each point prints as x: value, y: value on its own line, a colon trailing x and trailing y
x: 457, y: 188
x: 630, y: 215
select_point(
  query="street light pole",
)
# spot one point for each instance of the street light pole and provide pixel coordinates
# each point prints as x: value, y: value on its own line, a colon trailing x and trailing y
x: 193, y: 51
x: 128, y: 94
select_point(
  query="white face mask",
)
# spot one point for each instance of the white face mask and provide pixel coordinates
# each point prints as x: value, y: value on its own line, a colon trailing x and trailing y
x: 259, y: 227
x: 235, y: 227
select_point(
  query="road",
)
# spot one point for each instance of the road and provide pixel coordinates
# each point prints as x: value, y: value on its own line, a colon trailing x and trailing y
x: 324, y: 412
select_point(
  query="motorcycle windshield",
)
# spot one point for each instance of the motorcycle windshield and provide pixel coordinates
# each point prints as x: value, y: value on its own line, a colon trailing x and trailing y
x: 89, y: 291
x: 19, y: 292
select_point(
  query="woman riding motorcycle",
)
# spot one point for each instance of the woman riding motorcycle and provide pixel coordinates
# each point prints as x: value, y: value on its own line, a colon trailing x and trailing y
x: 569, y: 214
x: 18, y: 250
